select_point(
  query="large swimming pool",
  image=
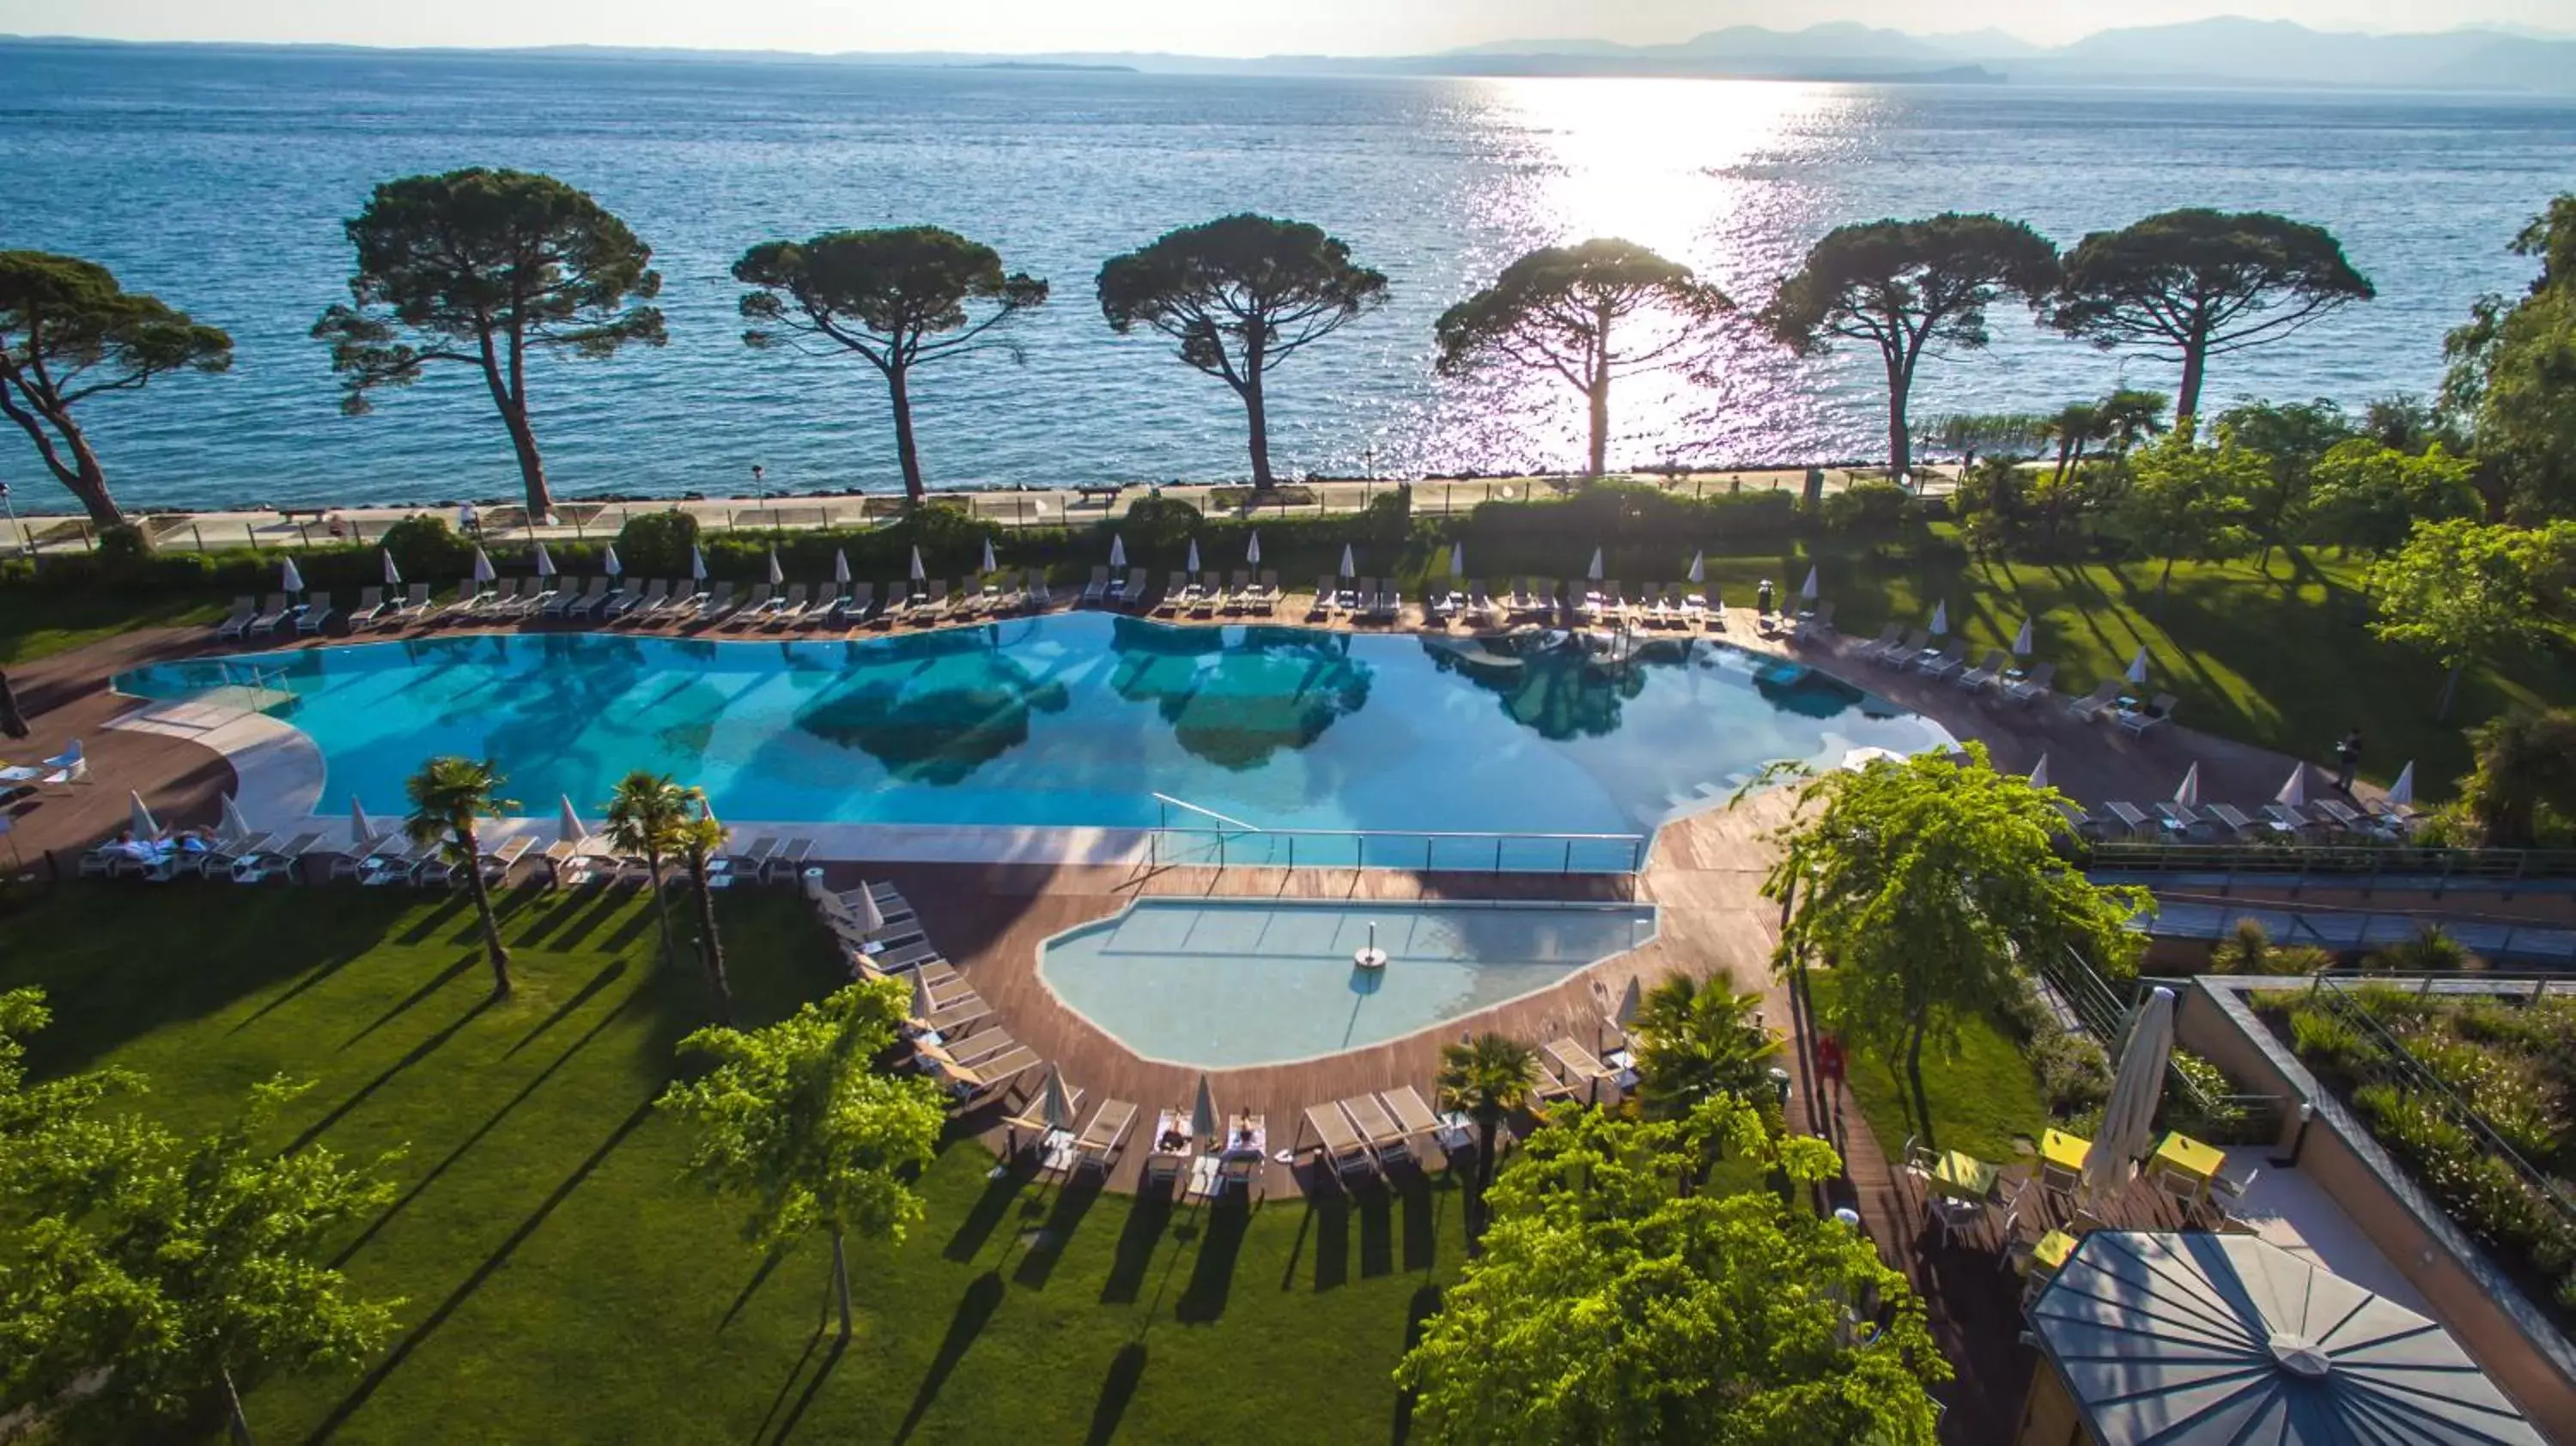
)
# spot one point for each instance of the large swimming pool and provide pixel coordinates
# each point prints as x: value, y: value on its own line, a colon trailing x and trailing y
x: 1078, y: 719
x: 1222, y: 984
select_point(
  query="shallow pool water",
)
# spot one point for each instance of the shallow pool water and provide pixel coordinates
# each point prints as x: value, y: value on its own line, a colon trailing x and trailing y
x: 1078, y: 719
x: 1221, y: 984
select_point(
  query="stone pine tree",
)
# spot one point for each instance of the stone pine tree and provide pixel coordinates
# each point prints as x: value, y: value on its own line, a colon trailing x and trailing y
x: 1588, y: 314
x: 793, y: 1121
x: 899, y: 298
x: 1911, y: 289
x: 69, y: 332
x: 1934, y: 888
x: 486, y: 269
x: 2192, y: 284
x: 1241, y: 294
x: 2512, y: 378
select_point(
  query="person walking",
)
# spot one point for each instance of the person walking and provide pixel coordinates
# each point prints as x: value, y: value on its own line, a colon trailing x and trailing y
x: 2347, y: 759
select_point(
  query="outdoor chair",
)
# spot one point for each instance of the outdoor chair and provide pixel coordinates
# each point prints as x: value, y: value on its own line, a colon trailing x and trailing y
x: 713, y: 606
x: 2158, y: 712
x: 1984, y: 674
x: 245, y: 610
x: 1942, y: 664
x: 370, y: 609
x: 276, y: 611
x: 2104, y: 697
x: 2030, y: 689
x: 1817, y: 624
x: 317, y: 615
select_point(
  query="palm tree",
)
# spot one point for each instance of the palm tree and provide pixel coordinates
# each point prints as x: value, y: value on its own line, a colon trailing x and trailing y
x: 2075, y: 425
x: 699, y: 838
x: 1695, y: 1041
x: 1487, y: 1077
x: 449, y: 799
x: 2129, y: 416
x: 644, y: 816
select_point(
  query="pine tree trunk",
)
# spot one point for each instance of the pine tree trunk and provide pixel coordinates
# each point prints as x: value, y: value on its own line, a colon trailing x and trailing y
x: 710, y: 948
x: 1900, y: 440
x: 1600, y: 453
x: 1914, y: 1080
x: 906, y: 452
x: 89, y: 482
x: 2195, y: 362
x: 1256, y: 414
x: 511, y: 399
x: 841, y: 1282
x: 492, y: 945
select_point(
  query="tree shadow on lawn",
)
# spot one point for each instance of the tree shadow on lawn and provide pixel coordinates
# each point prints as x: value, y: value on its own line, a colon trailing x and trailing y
x: 1148, y: 1214
x: 759, y: 1276
x: 428, y: 925
x: 1417, y: 1318
x: 610, y: 974
x: 120, y: 963
x: 1212, y: 1273
x: 316, y: 975
x: 572, y: 935
x: 404, y: 1005
x: 566, y: 904
x: 813, y: 1388
x: 410, y: 1057
x: 1126, y: 1373
x: 1420, y: 1195
x: 598, y: 982
x: 1332, y: 1217
x: 974, y: 1312
x: 393, y: 1361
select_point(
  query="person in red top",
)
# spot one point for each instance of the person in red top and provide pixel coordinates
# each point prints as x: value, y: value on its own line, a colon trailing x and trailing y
x: 1829, y: 1061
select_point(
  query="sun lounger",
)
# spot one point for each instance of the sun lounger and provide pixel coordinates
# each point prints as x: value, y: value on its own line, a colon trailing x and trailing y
x: 245, y: 610
x: 316, y: 614
x: 2028, y: 690
x: 965, y: 601
x: 643, y: 604
x: 932, y: 605
x: 786, y: 610
x: 1105, y: 1136
x: 1575, y: 1064
x: 596, y: 599
x: 370, y: 610
x: 413, y: 607
x: 2086, y: 826
x: 763, y: 597
x: 855, y: 608
x: 715, y: 605
x: 1908, y: 653
x: 788, y: 862
x: 558, y: 601
x: 1096, y: 591
x: 2182, y: 820
x: 1413, y: 1115
x: 1038, y: 597
x: 2141, y: 721
x: 1390, y: 605
x: 2104, y: 697
x: 1984, y: 674
x: 2343, y: 815
x: 502, y: 601
x: 2131, y: 817
x: 971, y: 1084
x: 1343, y: 1148
x: 272, y: 615
x: 1174, y: 588
x: 1131, y: 593
x: 1888, y: 637
x: 1943, y: 664
x: 1377, y: 1127
x: 952, y: 1019
x: 751, y: 860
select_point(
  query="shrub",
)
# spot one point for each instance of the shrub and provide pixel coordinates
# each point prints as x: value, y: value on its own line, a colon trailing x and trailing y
x: 2329, y: 1041
x: 2431, y: 951
x: 2214, y: 1115
x: 1159, y: 524
x: 2074, y: 1074
x: 2246, y: 951
x: 1873, y: 509
x: 425, y: 548
x: 656, y: 544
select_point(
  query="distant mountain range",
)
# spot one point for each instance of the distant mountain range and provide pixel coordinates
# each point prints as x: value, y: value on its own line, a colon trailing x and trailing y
x: 2227, y: 51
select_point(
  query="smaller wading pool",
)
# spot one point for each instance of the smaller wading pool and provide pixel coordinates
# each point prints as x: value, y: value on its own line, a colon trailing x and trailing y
x: 1224, y: 984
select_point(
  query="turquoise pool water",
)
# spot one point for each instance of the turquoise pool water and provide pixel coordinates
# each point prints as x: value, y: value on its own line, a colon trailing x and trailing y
x: 1223, y: 984
x: 1076, y: 719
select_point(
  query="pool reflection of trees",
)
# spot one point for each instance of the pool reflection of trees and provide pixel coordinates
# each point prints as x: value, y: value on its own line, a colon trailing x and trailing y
x: 932, y: 707
x: 1236, y: 696
x: 1556, y: 687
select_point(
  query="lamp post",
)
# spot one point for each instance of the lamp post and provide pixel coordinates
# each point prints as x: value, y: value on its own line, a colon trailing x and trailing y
x: 759, y: 483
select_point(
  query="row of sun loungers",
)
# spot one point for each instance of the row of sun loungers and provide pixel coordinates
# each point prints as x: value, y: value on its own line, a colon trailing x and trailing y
x: 1365, y: 1133
x: 2219, y: 821
x: 798, y: 606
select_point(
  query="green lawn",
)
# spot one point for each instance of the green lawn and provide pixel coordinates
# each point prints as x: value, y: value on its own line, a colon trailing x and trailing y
x: 37, y: 622
x: 561, y: 1284
x: 1982, y: 1093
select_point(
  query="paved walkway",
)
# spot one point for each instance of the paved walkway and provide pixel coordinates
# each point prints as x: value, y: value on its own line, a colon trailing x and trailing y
x: 577, y: 519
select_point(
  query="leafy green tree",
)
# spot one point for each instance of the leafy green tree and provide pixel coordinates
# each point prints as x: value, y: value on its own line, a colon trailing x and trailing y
x: 2188, y: 502
x: 69, y: 332
x: 2369, y: 495
x: 481, y: 268
x: 2295, y: 436
x: 1590, y: 314
x: 2513, y: 373
x: 2192, y: 284
x: 792, y: 1121
x: 1909, y: 287
x: 192, y: 1270
x: 2525, y: 781
x: 1933, y: 888
x: 1610, y: 1307
x: 1697, y: 1041
x: 646, y: 814
x: 900, y: 298
x: 1487, y: 1078
x: 700, y: 840
x: 2462, y: 591
x: 450, y: 798
x: 2409, y: 423
x: 1241, y: 294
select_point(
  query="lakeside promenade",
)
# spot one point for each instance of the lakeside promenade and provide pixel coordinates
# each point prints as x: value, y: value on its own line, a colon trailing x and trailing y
x: 583, y: 519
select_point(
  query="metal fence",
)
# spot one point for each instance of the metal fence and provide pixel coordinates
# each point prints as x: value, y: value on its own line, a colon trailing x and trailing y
x: 2357, y: 931
x: 2103, y: 1009
x: 2341, y: 863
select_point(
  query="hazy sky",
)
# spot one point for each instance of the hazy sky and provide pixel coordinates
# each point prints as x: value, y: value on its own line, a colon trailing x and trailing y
x: 1207, y: 27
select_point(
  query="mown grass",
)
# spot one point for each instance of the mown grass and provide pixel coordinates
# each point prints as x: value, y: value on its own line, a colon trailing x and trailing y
x: 561, y: 1283
x: 1982, y: 1093
x: 40, y: 622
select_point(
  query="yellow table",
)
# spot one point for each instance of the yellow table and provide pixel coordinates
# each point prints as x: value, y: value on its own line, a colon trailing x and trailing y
x: 2182, y: 1153
x: 1963, y: 1176
x: 2065, y: 1151
x: 2051, y: 1251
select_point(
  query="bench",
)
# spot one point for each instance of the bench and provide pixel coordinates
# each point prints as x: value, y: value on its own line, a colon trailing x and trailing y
x: 1104, y: 494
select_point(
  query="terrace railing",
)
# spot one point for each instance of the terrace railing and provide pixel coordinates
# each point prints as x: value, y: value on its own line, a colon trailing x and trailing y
x: 2338, y: 863
x: 2183, y: 915
x: 1224, y: 842
x: 2393, y: 1063
x: 2102, y: 1008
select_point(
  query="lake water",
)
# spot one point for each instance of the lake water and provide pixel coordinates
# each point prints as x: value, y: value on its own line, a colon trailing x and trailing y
x: 219, y: 181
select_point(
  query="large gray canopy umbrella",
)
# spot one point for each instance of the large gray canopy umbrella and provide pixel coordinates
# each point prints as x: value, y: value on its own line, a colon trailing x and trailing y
x: 2183, y: 1338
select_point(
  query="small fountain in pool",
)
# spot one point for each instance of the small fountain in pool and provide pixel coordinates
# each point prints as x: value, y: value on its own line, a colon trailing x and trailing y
x: 1369, y: 956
